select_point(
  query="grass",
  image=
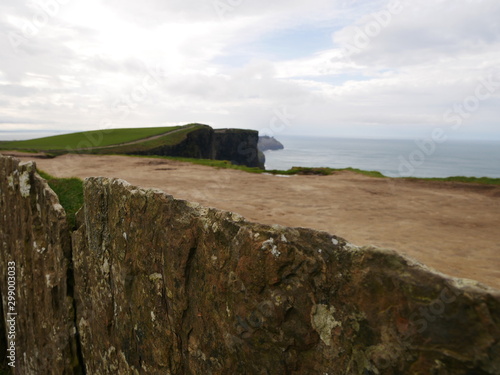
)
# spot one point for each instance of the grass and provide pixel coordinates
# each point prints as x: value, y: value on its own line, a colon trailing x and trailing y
x: 321, y: 171
x: 166, y: 140
x: 70, y: 193
x: 219, y: 164
x: 70, y: 190
x: 469, y: 180
x: 224, y: 164
x: 96, y: 138
x: 56, y: 145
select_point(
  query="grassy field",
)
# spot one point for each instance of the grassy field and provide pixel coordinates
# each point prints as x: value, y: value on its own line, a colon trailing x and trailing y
x: 166, y: 140
x: 94, y: 139
x: 70, y: 193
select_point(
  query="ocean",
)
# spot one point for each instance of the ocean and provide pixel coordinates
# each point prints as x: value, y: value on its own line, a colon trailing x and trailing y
x: 393, y: 158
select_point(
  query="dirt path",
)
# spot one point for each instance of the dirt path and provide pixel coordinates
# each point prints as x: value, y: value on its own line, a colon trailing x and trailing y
x: 451, y: 227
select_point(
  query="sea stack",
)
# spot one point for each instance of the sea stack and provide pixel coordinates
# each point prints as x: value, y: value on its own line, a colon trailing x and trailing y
x: 269, y: 143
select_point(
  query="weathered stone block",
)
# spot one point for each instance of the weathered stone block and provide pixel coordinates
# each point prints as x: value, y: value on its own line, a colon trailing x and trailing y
x: 167, y: 286
x: 34, y: 236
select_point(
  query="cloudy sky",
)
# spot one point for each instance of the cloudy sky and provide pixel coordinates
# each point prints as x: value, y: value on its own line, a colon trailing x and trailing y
x: 385, y: 69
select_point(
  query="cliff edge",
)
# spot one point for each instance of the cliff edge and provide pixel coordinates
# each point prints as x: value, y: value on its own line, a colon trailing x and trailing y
x: 239, y: 146
x: 198, y: 141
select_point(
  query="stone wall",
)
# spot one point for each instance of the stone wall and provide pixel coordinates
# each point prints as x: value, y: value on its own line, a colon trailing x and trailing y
x: 34, y: 234
x: 164, y: 286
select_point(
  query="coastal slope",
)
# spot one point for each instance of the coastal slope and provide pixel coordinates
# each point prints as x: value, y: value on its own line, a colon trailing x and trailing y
x: 239, y: 146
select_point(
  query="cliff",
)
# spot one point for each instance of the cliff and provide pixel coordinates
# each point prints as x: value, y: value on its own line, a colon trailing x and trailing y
x: 235, y: 145
x: 238, y: 146
x: 269, y: 143
x: 165, y: 286
x: 190, y: 141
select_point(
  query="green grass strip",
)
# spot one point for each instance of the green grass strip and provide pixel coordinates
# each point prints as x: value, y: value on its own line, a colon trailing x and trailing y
x: 95, y: 138
x: 469, y: 180
x: 70, y: 193
x: 166, y: 140
x: 321, y: 171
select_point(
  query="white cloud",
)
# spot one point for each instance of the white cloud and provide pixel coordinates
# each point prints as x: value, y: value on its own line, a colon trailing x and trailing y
x: 151, y: 63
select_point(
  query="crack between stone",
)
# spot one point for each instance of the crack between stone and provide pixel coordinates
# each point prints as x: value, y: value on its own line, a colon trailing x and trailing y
x: 187, y: 280
x: 70, y: 280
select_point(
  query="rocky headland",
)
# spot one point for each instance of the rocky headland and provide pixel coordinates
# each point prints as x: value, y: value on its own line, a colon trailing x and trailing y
x: 239, y: 146
x: 195, y: 141
x: 267, y: 143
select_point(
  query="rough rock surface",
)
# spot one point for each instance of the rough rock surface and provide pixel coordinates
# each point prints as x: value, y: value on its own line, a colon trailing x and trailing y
x: 238, y: 146
x: 34, y: 234
x: 166, y: 286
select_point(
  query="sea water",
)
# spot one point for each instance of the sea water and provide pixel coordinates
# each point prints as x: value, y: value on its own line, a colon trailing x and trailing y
x: 393, y: 158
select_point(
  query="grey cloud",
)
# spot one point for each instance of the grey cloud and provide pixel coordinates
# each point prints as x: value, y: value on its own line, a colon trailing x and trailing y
x: 40, y: 54
x: 150, y: 13
x: 425, y: 31
x: 17, y: 90
x: 434, y: 51
x: 253, y: 82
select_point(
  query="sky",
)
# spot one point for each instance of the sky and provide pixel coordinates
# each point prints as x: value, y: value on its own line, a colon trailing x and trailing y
x: 344, y: 68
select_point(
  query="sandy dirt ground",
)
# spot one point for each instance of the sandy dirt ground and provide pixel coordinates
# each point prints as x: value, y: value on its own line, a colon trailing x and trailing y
x: 451, y: 227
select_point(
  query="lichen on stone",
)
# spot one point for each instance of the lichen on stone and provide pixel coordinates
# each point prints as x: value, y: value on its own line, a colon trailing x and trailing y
x: 155, y: 277
x: 10, y: 181
x: 323, y: 322
x: 271, y: 247
x: 24, y: 184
